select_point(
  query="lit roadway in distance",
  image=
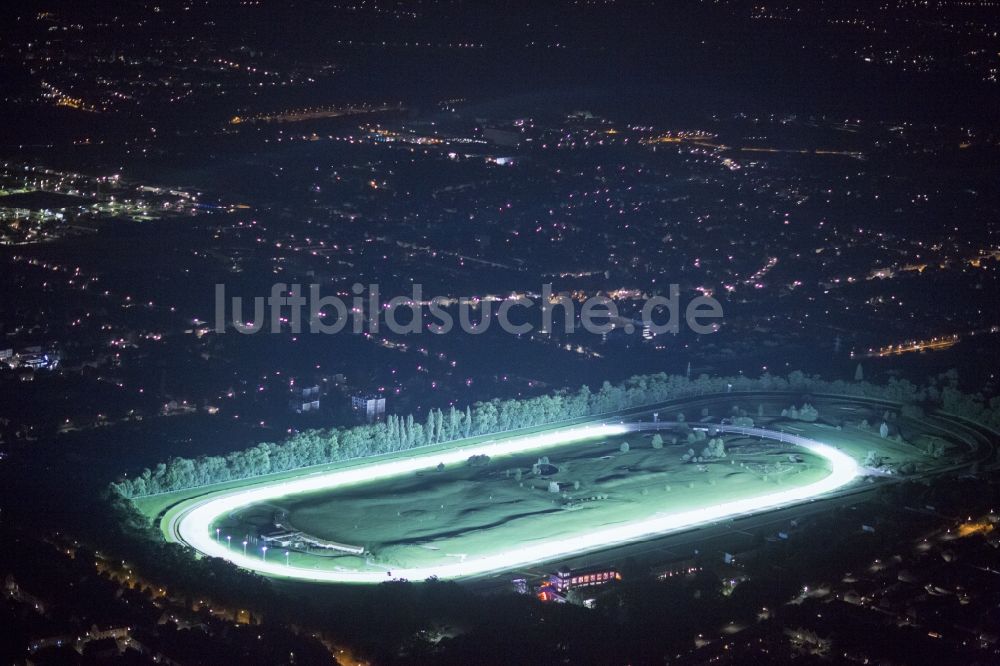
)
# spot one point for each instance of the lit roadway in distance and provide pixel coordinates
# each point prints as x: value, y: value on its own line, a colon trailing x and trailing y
x: 195, y: 525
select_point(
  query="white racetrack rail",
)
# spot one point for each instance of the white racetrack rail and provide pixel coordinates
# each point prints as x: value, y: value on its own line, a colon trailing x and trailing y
x: 195, y: 525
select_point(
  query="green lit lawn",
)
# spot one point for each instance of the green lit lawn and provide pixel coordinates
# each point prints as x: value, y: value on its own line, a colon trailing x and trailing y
x: 428, y: 518
x: 432, y: 517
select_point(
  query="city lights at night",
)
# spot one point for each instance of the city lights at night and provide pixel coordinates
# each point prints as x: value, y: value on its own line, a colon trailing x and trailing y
x: 405, y: 332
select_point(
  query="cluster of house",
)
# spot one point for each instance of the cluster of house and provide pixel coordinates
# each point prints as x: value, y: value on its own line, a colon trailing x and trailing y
x: 101, y: 643
x: 556, y: 587
x: 33, y: 358
x: 369, y: 407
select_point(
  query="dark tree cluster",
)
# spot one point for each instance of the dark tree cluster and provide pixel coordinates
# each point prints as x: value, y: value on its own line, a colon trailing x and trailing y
x: 320, y: 446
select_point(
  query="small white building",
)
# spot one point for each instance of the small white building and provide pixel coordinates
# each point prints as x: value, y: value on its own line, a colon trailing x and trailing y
x: 372, y: 406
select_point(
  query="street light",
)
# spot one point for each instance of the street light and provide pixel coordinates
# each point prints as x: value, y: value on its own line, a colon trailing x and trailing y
x: 217, y: 530
x: 286, y: 557
x: 263, y: 550
x: 229, y: 541
x: 244, y: 548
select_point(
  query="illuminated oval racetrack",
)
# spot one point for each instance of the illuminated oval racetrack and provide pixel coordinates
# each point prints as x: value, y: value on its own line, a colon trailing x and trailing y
x: 194, y: 525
